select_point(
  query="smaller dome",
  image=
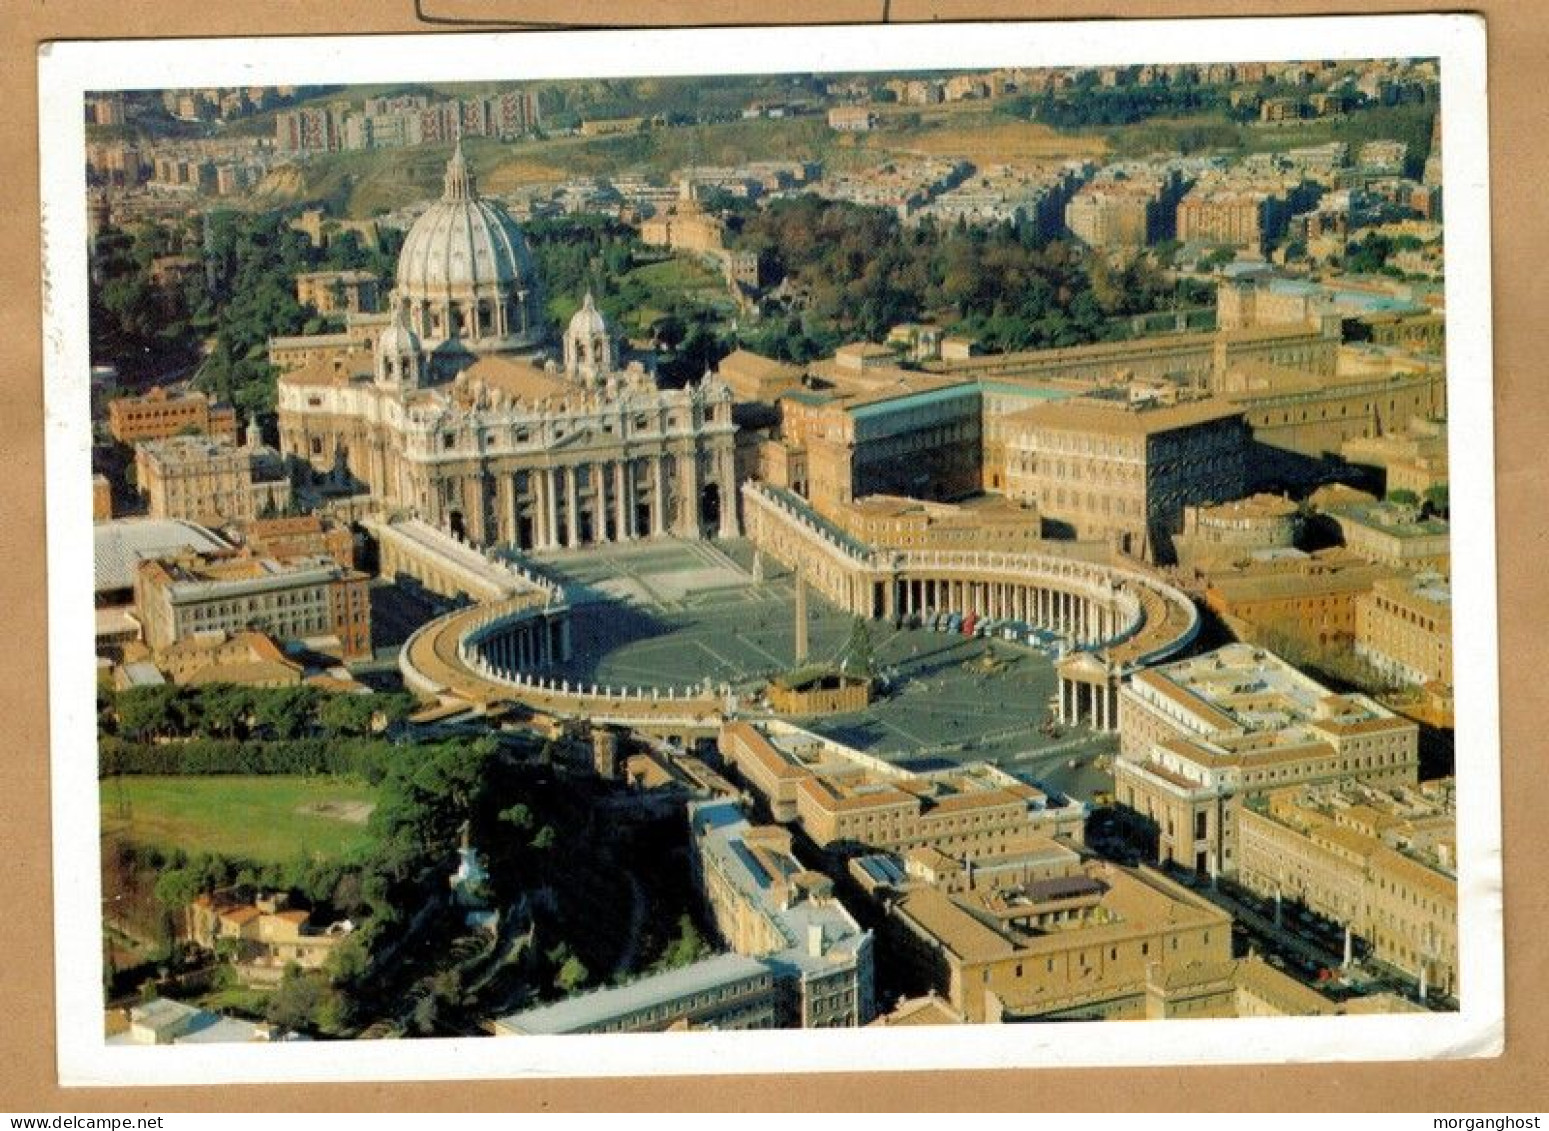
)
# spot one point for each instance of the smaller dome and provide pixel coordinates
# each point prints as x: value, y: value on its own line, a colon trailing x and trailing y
x: 399, y: 338
x: 588, y: 321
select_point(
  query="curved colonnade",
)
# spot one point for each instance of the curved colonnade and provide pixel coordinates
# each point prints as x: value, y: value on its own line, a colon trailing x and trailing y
x: 1117, y: 620
x: 507, y: 651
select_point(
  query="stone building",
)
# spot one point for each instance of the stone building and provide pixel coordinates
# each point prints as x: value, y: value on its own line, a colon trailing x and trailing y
x: 296, y: 536
x: 1380, y: 862
x: 160, y: 414
x: 1122, y: 472
x: 1287, y: 595
x: 1200, y: 736
x: 872, y: 429
x: 211, y: 481
x: 1393, y: 534
x: 1403, y: 628
x: 1227, y: 532
x: 299, y: 599
x: 841, y: 797
x: 338, y: 292
x: 1086, y: 944
x: 456, y: 417
x: 987, y: 524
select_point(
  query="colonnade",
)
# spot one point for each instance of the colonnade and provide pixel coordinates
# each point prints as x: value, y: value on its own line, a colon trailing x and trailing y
x: 539, y: 640
x: 1102, y: 610
x: 1094, y: 702
x: 1084, y: 618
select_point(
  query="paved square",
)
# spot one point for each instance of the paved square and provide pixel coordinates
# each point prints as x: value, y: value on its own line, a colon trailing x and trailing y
x: 677, y: 613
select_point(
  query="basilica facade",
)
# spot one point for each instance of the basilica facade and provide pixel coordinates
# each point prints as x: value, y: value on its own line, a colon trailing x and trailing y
x: 460, y: 413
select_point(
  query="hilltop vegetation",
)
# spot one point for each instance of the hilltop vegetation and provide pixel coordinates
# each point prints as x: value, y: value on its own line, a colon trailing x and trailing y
x: 863, y: 272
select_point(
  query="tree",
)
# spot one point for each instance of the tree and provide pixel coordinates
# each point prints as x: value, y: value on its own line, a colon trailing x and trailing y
x: 1438, y: 499
x: 518, y: 816
x: 858, y: 658
x: 347, y: 714
x: 688, y: 947
x: 223, y: 708
x: 572, y: 975
x: 296, y: 1000
x: 1403, y: 497
x: 176, y: 890
x: 287, y: 712
x: 147, y: 712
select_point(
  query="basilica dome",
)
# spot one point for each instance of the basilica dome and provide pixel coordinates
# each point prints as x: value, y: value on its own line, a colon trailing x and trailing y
x: 465, y: 275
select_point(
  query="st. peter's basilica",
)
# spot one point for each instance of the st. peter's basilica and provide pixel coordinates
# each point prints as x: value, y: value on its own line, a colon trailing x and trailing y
x: 460, y: 415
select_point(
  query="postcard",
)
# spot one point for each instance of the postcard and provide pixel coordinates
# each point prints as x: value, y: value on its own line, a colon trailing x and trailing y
x: 716, y: 551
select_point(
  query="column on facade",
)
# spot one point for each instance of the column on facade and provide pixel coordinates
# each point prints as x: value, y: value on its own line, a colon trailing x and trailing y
x: 600, y: 503
x: 658, y: 496
x: 632, y: 499
x: 620, y: 501
x: 727, y: 480
x: 688, y: 494
x: 572, y: 509
x: 539, y: 510
x: 551, y: 506
x: 505, y: 509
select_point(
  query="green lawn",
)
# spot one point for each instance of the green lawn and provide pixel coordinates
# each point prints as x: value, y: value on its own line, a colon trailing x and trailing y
x: 263, y: 819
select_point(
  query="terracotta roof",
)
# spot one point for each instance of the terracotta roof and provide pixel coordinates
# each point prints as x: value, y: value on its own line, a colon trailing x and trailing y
x: 765, y: 752
x: 323, y: 370
x: 1084, y: 415
x: 520, y: 380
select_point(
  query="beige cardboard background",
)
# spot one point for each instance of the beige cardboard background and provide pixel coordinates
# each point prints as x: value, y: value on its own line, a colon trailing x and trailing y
x: 1519, y: 69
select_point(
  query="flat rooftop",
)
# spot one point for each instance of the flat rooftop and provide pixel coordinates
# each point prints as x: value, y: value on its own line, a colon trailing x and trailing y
x: 119, y: 546
x: 599, y: 1007
x: 1240, y: 687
